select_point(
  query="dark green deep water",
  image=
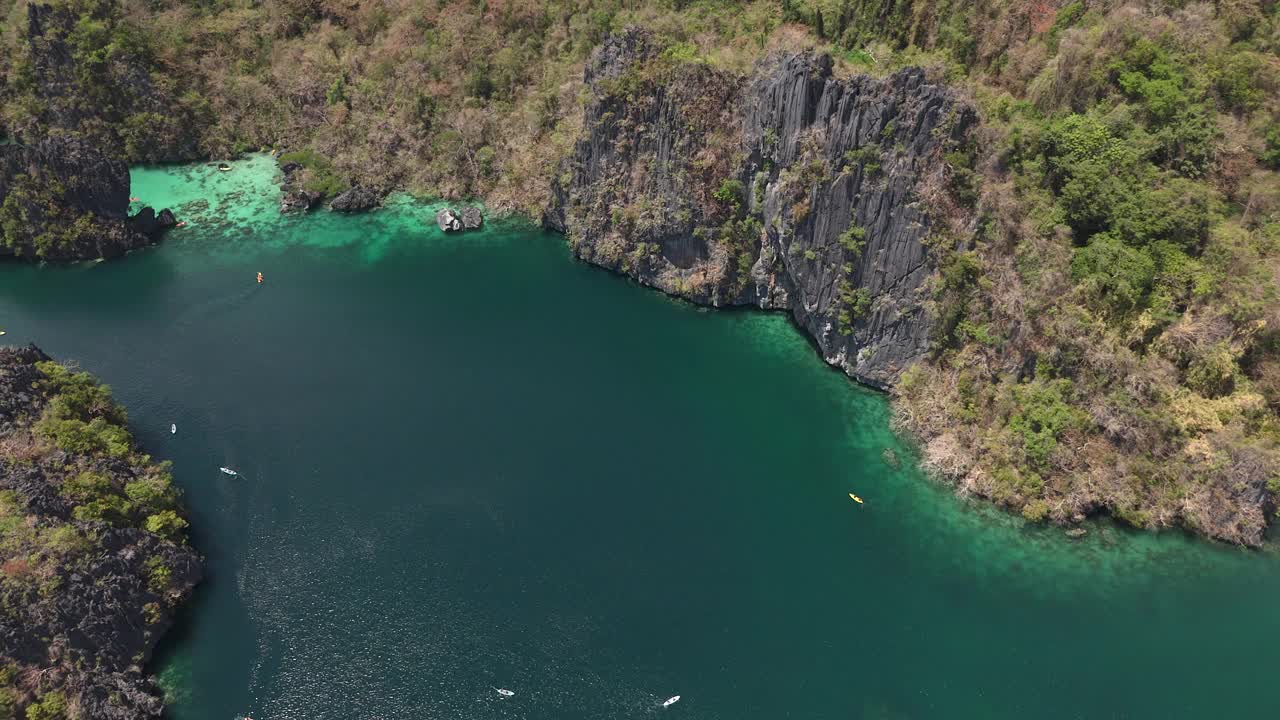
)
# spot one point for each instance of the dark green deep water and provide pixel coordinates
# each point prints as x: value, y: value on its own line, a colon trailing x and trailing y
x: 470, y: 462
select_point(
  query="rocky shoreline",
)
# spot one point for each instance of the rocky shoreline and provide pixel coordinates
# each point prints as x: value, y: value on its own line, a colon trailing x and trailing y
x: 93, y: 553
x: 64, y: 200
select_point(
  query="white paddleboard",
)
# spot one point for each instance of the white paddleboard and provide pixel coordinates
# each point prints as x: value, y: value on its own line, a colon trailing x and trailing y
x: 671, y: 701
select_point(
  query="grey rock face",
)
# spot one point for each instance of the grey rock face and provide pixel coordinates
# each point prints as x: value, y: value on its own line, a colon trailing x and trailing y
x: 448, y: 220
x: 357, y: 199
x: 298, y: 201
x: 80, y: 182
x: 472, y: 218
x: 650, y: 191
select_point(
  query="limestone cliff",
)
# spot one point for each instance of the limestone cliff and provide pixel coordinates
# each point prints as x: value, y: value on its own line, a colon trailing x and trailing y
x: 64, y: 182
x: 93, y: 558
x: 62, y: 199
x: 790, y: 189
x: 81, y: 69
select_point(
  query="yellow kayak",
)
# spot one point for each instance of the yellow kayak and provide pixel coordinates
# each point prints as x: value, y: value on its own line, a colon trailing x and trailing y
x: 856, y: 498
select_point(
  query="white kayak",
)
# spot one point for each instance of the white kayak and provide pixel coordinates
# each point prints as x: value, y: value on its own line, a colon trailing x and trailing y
x: 671, y: 701
x: 504, y: 692
x: 229, y: 471
x: 173, y: 429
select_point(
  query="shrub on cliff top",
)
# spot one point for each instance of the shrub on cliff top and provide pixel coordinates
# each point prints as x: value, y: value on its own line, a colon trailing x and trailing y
x: 81, y: 417
x: 51, y: 706
x: 167, y: 525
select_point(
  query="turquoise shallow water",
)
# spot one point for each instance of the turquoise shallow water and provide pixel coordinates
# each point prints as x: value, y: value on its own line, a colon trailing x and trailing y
x: 469, y: 462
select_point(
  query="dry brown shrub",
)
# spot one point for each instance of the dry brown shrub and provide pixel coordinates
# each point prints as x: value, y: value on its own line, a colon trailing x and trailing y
x: 1234, y: 160
x: 946, y: 457
x: 21, y: 447
x: 16, y: 568
x: 1196, y: 329
x: 1069, y: 79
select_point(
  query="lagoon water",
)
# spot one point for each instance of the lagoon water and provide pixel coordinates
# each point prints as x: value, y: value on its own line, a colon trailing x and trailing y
x: 469, y: 462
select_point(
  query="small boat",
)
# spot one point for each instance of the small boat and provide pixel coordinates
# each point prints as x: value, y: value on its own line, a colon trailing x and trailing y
x: 504, y: 692
x: 228, y: 471
x: 223, y: 167
x: 173, y: 429
x: 856, y: 498
x: 671, y: 701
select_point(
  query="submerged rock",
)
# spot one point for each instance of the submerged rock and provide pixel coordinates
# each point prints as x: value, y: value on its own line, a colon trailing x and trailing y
x: 891, y: 458
x: 448, y: 220
x: 356, y: 199
x: 1076, y: 533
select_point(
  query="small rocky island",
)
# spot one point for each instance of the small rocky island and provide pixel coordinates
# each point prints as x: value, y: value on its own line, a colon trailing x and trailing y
x: 451, y: 220
x: 93, y: 551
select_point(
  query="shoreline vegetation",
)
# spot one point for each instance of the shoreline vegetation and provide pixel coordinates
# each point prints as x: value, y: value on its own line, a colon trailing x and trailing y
x: 93, y: 553
x: 1104, y: 251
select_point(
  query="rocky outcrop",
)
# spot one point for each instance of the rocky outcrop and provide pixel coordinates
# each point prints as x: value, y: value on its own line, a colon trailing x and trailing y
x: 93, y: 561
x: 448, y: 220
x: 356, y: 199
x: 298, y: 200
x: 63, y: 199
x: 293, y: 197
x: 789, y: 189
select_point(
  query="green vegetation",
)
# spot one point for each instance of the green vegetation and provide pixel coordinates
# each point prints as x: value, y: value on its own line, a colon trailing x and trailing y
x: 318, y: 174
x: 85, y: 488
x: 866, y: 157
x: 1119, y: 298
x: 730, y: 192
x: 51, y: 706
x: 854, y: 304
x: 37, y: 207
x: 853, y: 239
x: 82, y: 418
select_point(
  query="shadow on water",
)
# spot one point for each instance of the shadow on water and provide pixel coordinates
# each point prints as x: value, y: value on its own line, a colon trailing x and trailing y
x: 148, y: 271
